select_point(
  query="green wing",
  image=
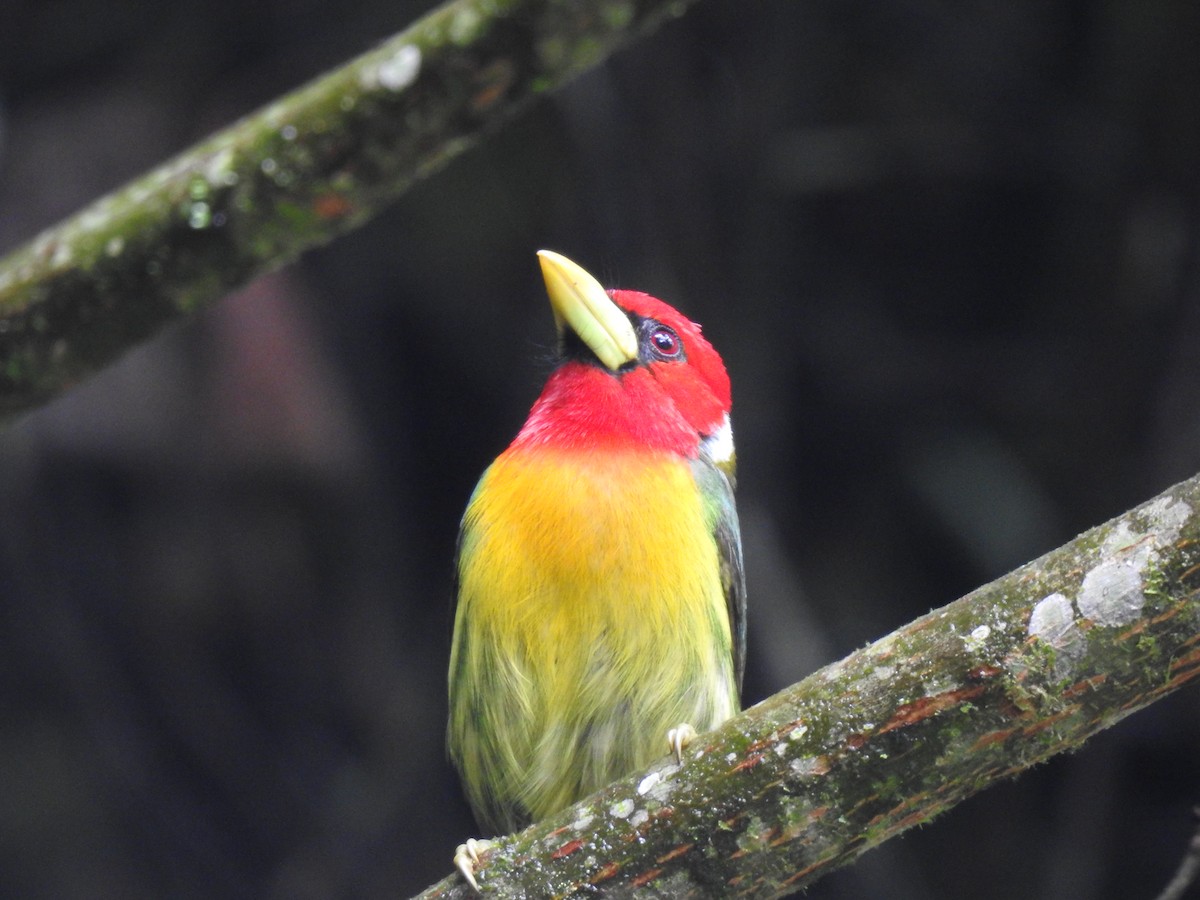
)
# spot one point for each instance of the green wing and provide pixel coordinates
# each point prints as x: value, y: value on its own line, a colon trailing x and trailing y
x: 716, y: 484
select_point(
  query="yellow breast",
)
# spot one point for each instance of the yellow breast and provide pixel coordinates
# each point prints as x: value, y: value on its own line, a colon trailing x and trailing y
x: 591, y: 618
x: 564, y: 546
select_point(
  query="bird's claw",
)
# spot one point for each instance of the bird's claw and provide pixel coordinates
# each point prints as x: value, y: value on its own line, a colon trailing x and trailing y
x: 466, y: 857
x: 679, y: 737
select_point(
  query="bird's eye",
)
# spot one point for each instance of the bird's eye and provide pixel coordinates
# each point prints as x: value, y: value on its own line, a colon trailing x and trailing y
x: 665, y: 343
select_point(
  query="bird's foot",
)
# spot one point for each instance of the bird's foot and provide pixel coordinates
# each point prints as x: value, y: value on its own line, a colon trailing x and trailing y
x: 679, y: 737
x: 466, y: 858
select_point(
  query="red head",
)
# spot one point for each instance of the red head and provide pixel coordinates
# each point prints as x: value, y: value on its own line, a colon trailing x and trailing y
x: 635, y: 373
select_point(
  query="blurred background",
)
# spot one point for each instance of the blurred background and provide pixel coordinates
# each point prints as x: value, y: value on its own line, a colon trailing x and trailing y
x: 948, y: 251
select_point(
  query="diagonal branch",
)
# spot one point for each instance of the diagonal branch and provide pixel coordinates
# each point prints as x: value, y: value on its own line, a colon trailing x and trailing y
x: 310, y: 166
x: 1021, y: 669
x: 1189, y: 867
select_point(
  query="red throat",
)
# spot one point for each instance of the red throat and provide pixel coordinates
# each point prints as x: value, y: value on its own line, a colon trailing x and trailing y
x: 662, y: 406
x: 586, y: 407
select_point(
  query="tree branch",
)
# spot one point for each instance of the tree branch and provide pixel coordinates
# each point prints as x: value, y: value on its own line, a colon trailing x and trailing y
x: 1020, y: 670
x: 314, y: 164
x: 1189, y: 867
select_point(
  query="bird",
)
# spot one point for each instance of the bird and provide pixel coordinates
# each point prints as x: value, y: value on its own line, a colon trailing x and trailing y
x: 600, y: 615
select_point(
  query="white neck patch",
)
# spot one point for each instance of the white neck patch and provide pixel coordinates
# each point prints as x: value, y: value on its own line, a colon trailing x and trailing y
x: 719, y: 444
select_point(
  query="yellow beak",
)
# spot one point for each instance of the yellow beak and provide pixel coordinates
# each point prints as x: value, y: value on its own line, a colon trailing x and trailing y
x: 581, y: 304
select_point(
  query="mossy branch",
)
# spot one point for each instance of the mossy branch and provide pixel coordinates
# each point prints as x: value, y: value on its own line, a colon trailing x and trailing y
x: 1021, y: 669
x: 314, y: 164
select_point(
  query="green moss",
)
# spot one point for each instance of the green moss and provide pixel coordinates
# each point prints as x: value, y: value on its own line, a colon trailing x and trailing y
x: 617, y: 16
x: 755, y: 837
x: 888, y: 787
x: 467, y: 26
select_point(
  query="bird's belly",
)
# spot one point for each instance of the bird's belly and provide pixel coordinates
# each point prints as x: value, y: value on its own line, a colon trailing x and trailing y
x: 595, y: 621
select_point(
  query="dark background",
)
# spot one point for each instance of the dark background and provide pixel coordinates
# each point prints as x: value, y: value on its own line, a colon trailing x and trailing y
x: 947, y: 249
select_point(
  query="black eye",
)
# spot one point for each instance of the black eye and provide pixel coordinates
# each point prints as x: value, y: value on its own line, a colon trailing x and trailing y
x: 665, y: 343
